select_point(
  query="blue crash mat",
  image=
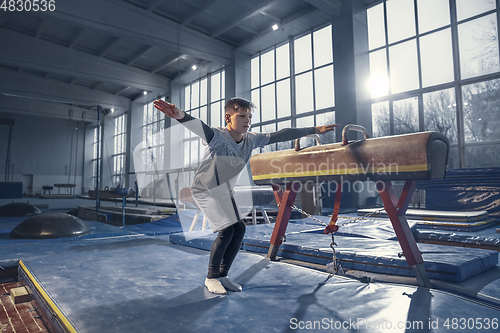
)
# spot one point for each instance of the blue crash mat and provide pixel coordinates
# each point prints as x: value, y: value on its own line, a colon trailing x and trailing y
x: 354, y: 226
x: 484, y: 240
x: 12, y: 250
x: 136, y: 286
x: 203, y: 239
x: 198, y: 239
x: 9, y: 223
x: 432, y: 215
x: 365, y: 228
x: 381, y: 256
x: 457, y: 226
x: 97, y: 230
x: 373, y: 255
x: 168, y: 225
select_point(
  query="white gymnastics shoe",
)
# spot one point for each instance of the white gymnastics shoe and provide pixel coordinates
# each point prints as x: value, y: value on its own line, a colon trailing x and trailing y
x: 215, y: 287
x: 230, y: 285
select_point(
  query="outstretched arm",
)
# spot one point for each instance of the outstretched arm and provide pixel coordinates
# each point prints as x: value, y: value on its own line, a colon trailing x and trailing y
x: 191, y: 123
x: 295, y: 133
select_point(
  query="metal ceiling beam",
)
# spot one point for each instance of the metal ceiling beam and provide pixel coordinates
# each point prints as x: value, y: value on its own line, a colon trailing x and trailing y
x: 331, y: 7
x: 97, y: 86
x: 152, y: 6
x: 129, y: 21
x: 199, y: 11
x: 39, y: 29
x: 168, y: 63
x: 286, y: 21
x: 30, y: 53
x: 192, y: 2
x: 33, y: 107
x: 121, y: 90
x: 272, y: 17
x: 138, y: 55
x: 253, y: 32
x: 260, y: 6
x: 76, y: 38
x: 113, y: 42
x: 31, y: 86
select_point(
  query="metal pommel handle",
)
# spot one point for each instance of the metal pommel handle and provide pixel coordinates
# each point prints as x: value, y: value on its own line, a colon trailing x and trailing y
x: 352, y: 127
x: 315, y: 136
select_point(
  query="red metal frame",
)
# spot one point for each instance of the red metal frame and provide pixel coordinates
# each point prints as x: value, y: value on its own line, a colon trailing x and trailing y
x: 285, y: 202
x: 332, y: 227
x: 394, y: 206
x: 396, y: 209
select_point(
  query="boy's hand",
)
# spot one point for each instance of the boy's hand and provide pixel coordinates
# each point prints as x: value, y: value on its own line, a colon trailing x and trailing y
x: 326, y: 128
x: 169, y: 109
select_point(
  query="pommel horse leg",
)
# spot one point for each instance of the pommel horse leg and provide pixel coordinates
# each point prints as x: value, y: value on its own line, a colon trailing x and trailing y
x: 396, y: 210
x: 285, y: 202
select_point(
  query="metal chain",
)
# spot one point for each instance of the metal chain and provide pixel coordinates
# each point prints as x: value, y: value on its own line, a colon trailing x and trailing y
x: 351, y: 221
x: 308, y: 215
x: 335, y: 267
x: 357, y: 219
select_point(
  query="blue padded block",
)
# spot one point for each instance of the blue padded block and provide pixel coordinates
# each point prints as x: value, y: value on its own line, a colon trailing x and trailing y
x: 457, y: 226
x: 475, y: 239
x: 381, y: 256
x: 307, y: 243
x: 11, y: 190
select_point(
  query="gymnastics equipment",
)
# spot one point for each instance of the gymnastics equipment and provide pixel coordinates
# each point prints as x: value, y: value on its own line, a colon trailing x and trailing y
x: 408, y: 157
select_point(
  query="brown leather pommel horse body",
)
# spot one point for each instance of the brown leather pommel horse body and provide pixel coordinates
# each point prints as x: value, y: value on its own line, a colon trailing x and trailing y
x: 408, y: 157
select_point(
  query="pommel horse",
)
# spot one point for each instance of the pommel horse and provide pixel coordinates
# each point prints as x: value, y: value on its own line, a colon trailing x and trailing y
x: 408, y: 157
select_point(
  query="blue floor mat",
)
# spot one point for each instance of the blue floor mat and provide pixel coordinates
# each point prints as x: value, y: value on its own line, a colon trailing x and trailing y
x: 165, y: 226
x: 156, y: 287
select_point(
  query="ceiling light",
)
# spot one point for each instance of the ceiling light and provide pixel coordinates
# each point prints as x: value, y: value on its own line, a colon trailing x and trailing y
x: 145, y: 92
x: 112, y: 110
x: 275, y: 27
x: 194, y: 67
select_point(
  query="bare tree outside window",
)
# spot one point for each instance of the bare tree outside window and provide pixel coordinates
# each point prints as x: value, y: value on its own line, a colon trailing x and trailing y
x: 381, y: 120
x: 440, y: 113
x: 405, y: 116
x: 482, y: 111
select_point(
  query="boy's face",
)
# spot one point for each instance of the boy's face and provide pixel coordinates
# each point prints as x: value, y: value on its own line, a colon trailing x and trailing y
x: 240, y: 120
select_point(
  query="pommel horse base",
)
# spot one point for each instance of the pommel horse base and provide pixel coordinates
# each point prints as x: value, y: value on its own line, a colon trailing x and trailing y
x: 409, y: 157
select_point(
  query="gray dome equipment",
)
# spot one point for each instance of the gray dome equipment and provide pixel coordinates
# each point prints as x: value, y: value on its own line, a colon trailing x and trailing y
x: 50, y: 225
x: 18, y: 209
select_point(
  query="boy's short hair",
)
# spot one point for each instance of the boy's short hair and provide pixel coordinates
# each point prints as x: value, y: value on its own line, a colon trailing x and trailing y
x: 235, y: 103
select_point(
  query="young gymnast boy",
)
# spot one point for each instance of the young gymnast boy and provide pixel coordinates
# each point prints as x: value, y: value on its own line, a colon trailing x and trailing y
x: 229, y: 149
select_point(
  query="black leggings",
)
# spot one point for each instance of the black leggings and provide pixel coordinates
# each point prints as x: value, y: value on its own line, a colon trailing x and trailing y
x: 224, y: 249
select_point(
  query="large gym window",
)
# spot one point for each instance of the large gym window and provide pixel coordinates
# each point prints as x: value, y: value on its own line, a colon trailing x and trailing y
x: 297, y: 93
x: 434, y: 65
x: 119, y: 150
